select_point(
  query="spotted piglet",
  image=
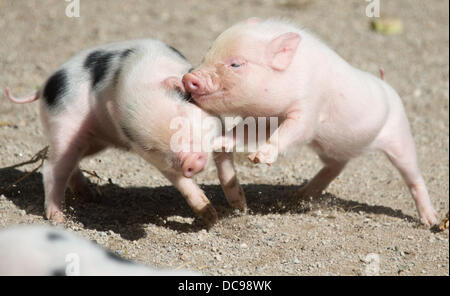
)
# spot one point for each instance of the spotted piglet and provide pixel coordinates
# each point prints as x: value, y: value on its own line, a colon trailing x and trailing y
x: 125, y: 95
x: 38, y: 250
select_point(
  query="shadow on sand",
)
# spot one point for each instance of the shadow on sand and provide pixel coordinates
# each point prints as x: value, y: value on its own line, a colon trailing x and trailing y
x: 126, y: 211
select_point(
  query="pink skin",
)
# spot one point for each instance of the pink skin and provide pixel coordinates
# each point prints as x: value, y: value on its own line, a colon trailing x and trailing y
x: 271, y: 68
x: 143, y: 101
x: 192, y: 163
x: 25, y: 100
x: 73, y: 138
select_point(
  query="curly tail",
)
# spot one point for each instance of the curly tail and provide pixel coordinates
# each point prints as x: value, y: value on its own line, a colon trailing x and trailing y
x: 382, y: 73
x: 24, y: 100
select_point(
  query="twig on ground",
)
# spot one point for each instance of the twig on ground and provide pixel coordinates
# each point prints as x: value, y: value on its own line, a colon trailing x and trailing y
x: 41, y: 155
x: 444, y: 223
x: 183, y: 265
x: 93, y: 174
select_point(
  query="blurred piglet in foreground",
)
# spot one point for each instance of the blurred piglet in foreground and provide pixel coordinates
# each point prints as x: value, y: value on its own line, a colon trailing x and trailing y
x: 128, y: 95
x: 38, y: 250
x: 274, y: 69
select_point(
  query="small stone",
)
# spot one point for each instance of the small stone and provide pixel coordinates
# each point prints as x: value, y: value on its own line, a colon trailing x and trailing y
x: 417, y: 93
x: 401, y: 268
x: 218, y: 257
x: 296, y: 261
x: 317, y: 213
x: 243, y: 246
x: 184, y: 257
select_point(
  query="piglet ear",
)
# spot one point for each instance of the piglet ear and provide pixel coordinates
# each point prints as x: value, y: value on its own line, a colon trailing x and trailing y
x: 253, y: 20
x: 173, y: 82
x: 281, y: 50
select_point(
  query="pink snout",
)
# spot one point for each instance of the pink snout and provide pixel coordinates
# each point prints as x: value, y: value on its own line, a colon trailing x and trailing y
x: 192, y: 163
x: 194, y: 84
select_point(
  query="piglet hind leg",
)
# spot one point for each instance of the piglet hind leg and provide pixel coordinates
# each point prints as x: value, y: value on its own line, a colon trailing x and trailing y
x: 79, y: 184
x: 58, y: 169
x: 195, y: 197
x: 314, y: 188
x: 401, y: 152
x: 229, y: 182
x: 69, y: 143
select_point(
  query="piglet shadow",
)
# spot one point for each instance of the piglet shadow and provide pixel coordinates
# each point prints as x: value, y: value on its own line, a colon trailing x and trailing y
x: 127, y: 211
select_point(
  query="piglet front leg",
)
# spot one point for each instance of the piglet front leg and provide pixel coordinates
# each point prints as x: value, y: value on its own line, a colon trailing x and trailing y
x: 195, y: 197
x: 267, y: 153
x: 298, y: 127
x: 228, y: 179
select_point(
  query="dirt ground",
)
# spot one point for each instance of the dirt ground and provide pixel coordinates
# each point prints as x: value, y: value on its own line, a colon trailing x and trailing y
x: 367, y: 210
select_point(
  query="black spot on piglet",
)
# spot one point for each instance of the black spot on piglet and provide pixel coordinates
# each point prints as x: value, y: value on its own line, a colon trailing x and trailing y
x: 186, y: 96
x: 177, y: 52
x: 55, y: 88
x: 58, y: 272
x: 97, y: 63
x: 54, y: 236
x: 126, y: 53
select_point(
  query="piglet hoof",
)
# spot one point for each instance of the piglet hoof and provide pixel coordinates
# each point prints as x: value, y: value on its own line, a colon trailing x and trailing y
x: 209, y: 215
x: 308, y: 193
x: 258, y: 158
x: 266, y: 154
x: 236, y: 198
x: 428, y: 217
x: 56, y: 216
x: 239, y: 205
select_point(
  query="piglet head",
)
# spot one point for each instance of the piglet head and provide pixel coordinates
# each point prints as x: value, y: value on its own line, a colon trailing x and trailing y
x: 184, y: 146
x: 242, y: 68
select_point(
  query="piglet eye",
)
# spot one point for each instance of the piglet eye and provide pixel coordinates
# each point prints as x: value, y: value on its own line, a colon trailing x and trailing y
x: 235, y: 65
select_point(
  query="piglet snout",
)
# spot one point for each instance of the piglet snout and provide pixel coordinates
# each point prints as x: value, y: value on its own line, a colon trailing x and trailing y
x: 194, y: 84
x: 192, y: 163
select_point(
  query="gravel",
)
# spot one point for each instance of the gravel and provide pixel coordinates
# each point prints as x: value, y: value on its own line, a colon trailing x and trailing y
x: 141, y: 217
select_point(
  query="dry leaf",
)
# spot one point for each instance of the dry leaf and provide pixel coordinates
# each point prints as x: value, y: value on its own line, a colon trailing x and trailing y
x: 388, y: 26
x: 444, y: 223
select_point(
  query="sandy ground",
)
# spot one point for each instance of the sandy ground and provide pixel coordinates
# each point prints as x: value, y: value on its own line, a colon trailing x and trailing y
x: 367, y: 210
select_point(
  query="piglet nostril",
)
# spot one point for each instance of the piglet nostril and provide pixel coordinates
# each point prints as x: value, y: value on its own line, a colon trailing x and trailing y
x: 193, y: 164
x: 193, y: 85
